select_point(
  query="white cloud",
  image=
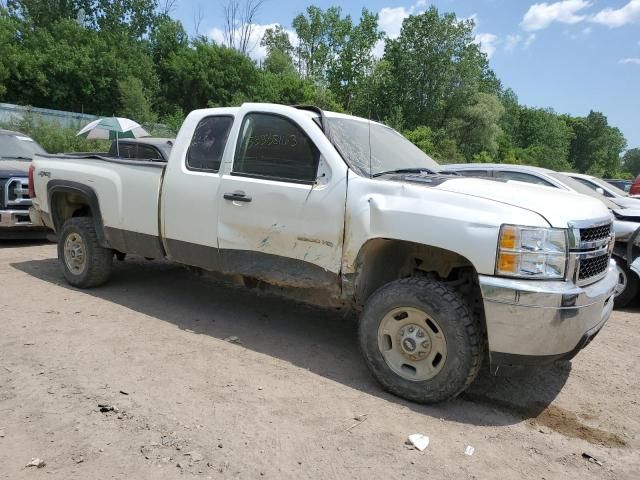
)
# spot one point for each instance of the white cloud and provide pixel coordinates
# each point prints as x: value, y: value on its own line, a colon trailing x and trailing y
x: 511, y: 42
x: 390, y: 20
x: 627, y: 61
x: 530, y: 39
x: 586, y: 30
x: 488, y: 43
x: 541, y: 15
x: 256, y: 51
x: 610, y: 17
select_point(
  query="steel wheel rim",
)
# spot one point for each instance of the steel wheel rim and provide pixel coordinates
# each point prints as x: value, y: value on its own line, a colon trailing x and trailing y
x: 412, y: 344
x: 622, y: 281
x: 75, y: 254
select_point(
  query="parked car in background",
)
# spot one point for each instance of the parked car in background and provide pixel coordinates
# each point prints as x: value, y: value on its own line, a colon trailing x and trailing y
x: 151, y: 148
x: 635, y: 187
x: 613, y: 193
x: 624, y: 185
x: 16, y: 152
x: 448, y: 272
x: 626, y: 251
x: 145, y: 148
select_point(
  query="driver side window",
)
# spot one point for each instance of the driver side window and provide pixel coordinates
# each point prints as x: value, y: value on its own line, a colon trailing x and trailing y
x: 275, y: 148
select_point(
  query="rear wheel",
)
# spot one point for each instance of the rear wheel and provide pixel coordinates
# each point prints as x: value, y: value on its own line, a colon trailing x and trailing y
x: 420, y: 340
x: 84, y: 262
x: 627, y: 286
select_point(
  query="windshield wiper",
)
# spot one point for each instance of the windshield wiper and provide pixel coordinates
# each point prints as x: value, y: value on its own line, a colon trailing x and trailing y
x: 405, y: 170
x: 17, y: 158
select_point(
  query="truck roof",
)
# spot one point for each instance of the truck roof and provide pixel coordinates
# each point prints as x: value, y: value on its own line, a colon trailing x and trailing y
x: 309, y: 112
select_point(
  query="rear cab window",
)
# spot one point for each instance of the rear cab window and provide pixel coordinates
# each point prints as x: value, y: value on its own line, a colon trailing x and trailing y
x: 274, y: 147
x: 208, y: 143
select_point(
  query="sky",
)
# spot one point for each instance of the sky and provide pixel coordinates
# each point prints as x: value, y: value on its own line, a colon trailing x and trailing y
x: 569, y: 55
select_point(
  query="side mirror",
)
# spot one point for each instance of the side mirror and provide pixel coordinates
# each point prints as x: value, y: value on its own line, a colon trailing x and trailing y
x: 600, y: 190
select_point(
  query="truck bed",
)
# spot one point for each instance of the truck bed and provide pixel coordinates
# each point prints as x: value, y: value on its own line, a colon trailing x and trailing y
x: 127, y: 192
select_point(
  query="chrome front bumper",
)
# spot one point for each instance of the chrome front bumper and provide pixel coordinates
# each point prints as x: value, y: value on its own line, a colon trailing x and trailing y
x: 14, y: 218
x: 535, y: 322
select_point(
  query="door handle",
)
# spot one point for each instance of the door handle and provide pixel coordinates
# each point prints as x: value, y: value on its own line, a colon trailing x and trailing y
x: 237, y: 196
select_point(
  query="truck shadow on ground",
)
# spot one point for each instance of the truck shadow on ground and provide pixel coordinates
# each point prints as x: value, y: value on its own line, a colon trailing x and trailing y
x: 322, y: 341
x: 21, y: 243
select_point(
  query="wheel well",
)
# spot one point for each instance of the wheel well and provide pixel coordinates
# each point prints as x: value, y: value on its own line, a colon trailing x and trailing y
x: 381, y: 261
x: 65, y: 205
x: 67, y: 200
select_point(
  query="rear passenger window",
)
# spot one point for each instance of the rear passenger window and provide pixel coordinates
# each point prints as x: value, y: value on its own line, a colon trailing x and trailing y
x: 274, y: 147
x: 208, y: 142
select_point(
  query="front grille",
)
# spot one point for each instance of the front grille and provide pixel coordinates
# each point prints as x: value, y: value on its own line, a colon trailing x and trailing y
x: 593, y: 234
x: 16, y: 193
x: 592, y: 267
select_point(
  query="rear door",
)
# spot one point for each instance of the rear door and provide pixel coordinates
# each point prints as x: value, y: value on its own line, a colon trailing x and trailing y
x: 282, y: 202
x: 190, y: 192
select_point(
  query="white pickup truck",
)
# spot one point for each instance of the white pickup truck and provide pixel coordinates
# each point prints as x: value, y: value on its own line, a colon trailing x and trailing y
x: 447, y: 271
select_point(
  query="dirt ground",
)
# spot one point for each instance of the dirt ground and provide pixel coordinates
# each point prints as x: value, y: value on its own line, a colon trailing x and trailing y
x: 291, y: 399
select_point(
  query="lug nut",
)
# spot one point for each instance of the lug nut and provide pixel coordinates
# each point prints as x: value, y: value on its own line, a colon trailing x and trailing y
x: 425, y: 344
x: 420, y: 333
x: 411, y: 329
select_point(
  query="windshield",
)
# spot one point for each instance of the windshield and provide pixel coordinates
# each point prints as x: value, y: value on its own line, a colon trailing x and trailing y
x: 370, y: 148
x: 14, y: 145
x: 609, y: 186
x: 573, y: 184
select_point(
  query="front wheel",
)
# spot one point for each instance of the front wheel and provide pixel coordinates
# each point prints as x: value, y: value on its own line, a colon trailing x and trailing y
x: 85, y: 264
x: 627, y: 286
x: 420, y: 340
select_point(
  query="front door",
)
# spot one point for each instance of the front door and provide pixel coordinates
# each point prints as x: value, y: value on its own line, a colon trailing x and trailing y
x: 278, y: 221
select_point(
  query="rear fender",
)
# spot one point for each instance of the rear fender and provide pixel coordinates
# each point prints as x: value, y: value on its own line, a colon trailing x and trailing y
x: 58, y: 194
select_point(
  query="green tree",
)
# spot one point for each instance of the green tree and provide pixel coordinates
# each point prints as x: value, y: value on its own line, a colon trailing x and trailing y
x: 134, y: 101
x: 279, y: 51
x: 543, y: 137
x: 435, y: 69
x: 437, y: 144
x: 351, y: 55
x: 477, y: 127
x: 631, y: 161
x: 596, y: 146
x: 313, y: 29
x: 209, y: 74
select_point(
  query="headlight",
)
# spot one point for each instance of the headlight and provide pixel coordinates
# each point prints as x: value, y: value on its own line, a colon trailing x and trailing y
x: 531, y: 252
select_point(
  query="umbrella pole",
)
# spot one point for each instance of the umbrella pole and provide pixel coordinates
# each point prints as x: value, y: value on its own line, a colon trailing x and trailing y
x: 117, y: 145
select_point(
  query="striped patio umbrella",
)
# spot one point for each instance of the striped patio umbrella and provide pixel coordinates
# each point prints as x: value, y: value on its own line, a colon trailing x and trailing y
x: 112, y: 128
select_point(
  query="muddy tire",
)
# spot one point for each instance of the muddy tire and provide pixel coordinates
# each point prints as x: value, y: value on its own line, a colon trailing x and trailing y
x: 85, y: 264
x: 420, y: 340
x: 628, y: 284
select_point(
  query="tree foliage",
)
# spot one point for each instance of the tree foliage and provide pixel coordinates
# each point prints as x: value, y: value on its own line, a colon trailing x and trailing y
x: 631, y: 161
x: 432, y: 82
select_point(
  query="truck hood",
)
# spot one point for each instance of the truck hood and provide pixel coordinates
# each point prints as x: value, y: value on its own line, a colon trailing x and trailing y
x: 558, y: 207
x: 16, y: 168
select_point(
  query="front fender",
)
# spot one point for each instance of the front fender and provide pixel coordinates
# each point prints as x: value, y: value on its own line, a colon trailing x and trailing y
x: 467, y: 226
